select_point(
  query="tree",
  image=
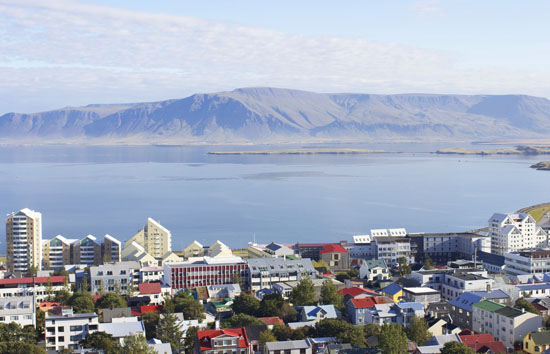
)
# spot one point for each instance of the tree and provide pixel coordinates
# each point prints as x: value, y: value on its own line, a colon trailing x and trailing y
x: 341, y: 277
x: 13, y: 332
x: 303, y: 294
x: 85, y: 284
x: 169, y: 331
x: 404, y: 267
x: 266, y: 336
x: 62, y: 296
x: 49, y: 289
x: 371, y: 329
x: 151, y: 320
x: 428, y: 263
x: 130, y: 290
x: 136, y: 344
x: 19, y: 347
x: 189, y: 341
x: 282, y: 332
x: 236, y: 279
x: 242, y: 320
x: 521, y: 303
x: 417, y: 331
x: 392, y: 339
x: 192, y: 309
x: 101, y: 341
x: 111, y: 301
x: 32, y: 270
x: 344, y: 331
x: 40, y: 321
x: 287, y: 313
x: 82, y: 302
x: 117, y: 289
x: 456, y: 348
x: 246, y: 303
x: 330, y: 295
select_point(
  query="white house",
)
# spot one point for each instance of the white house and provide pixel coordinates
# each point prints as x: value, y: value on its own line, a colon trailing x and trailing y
x: 514, y: 232
x: 67, y: 330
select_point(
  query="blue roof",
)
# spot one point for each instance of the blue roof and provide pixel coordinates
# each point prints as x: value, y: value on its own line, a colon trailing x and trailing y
x: 416, y: 306
x: 466, y: 300
x: 495, y: 294
x: 311, y: 311
x: 544, y: 286
x: 392, y: 289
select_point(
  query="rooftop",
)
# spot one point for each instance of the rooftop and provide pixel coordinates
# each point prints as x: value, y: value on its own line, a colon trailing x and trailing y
x: 421, y: 290
x: 488, y: 305
x: 332, y: 248
x: 541, y: 338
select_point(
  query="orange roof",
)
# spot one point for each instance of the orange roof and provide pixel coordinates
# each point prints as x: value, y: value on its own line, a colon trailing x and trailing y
x: 271, y: 320
x: 205, y: 337
x: 479, y: 341
x: 363, y: 303
x: 331, y: 248
x: 356, y: 290
x: 149, y: 288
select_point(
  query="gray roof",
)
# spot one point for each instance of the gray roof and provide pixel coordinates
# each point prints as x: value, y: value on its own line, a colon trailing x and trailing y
x: 287, y: 345
x: 71, y: 316
x: 279, y: 265
x: 122, y: 329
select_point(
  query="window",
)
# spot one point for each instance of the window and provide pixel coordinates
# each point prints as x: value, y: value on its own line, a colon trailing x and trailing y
x: 75, y: 338
x: 76, y: 328
x: 61, y: 329
x: 61, y: 339
x: 14, y: 318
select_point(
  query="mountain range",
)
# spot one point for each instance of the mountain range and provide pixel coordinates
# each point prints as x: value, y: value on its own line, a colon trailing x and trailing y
x: 283, y: 115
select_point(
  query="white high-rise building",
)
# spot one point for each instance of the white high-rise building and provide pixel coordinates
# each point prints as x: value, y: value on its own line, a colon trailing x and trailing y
x: 155, y: 239
x: 515, y: 232
x: 24, y: 240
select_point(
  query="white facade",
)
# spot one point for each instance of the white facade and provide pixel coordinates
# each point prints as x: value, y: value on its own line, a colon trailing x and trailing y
x: 155, y: 239
x: 104, y: 277
x: 391, y: 249
x: 456, y: 284
x: 527, y: 262
x: 20, y: 310
x: 151, y: 274
x: 24, y: 240
x: 514, y: 232
x: 67, y: 330
x: 265, y: 272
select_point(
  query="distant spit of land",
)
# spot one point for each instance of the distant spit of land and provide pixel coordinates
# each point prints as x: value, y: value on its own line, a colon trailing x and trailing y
x: 298, y: 152
x: 518, y: 150
x: 542, y: 166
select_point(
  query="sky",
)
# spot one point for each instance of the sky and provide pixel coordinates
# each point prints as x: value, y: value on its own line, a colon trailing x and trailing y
x: 72, y: 53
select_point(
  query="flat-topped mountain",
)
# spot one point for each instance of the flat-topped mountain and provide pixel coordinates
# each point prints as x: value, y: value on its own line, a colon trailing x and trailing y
x: 271, y: 115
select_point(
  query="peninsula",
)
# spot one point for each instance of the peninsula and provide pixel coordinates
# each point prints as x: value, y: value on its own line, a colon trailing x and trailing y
x: 518, y: 150
x: 298, y: 152
x: 542, y: 166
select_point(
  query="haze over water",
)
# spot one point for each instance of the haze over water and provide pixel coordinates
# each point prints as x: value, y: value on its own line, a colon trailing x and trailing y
x: 305, y: 198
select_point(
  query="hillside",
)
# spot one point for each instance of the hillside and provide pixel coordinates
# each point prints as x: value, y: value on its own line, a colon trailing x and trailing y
x: 271, y: 115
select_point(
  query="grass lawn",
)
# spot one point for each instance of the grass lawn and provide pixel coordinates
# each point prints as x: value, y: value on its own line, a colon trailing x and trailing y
x: 538, y: 211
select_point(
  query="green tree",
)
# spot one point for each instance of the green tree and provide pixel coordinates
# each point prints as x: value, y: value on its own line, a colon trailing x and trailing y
x: 456, y: 348
x: 236, y: 279
x: 344, y: 331
x: 242, y: 320
x: 117, y: 289
x: 19, y: 347
x: 246, y: 303
x: 101, y: 341
x: 392, y: 339
x: 303, y: 293
x: 417, y: 331
x: 428, y: 263
x: 82, y: 302
x: 40, y: 321
x: 266, y: 336
x: 130, y: 290
x: 169, y: 331
x: 13, y: 332
x: 32, y: 270
x: 371, y: 329
x: 521, y: 303
x: 404, y: 267
x: 287, y: 313
x: 189, y: 341
x: 192, y: 309
x: 282, y: 332
x: 49, y: 289
x: 151, y: 320
x: 85, y: 287
x: 136, y: 344
x: 341, y: 277
x: 62, y: 296
x: 330, y: 295
x: 111, y: 301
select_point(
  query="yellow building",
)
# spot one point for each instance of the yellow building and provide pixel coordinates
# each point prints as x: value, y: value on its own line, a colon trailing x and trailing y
x: 155, y: 239
x: 394, y: 291
x: 536, y: 342
x: 56, y: 252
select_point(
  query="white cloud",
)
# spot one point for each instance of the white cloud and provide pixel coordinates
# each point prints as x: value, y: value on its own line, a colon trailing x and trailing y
x: 54, y: 54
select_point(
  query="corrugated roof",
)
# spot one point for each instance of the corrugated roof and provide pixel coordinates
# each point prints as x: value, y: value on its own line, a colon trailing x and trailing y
x: 29, y: 280
x: 205, y: 337
x: 541, y: 338
x: 149, y: 288
x: 392, y: 289
x: 488, y: 305
x: 331, y: 248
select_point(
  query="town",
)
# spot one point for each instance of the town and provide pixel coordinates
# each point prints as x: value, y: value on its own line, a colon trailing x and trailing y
x: 389, y: 291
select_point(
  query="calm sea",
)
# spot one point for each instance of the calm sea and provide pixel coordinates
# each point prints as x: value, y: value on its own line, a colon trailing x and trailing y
x: 306, y: 198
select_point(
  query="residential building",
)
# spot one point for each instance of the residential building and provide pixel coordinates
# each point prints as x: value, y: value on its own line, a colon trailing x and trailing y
x: 170, y: 257
x: 515, y: 232
x: 67, y: 330
x: 16, y: 287
x: 493, y: 263
x: 154, y: 291
x: 483, y: 343
x: 284, y: 288
x: 536, y: 342
x: 421, y: 295
x: 504, y: 323
x: 532, y: 261
x: 151, y: 274
x: 461, y: 306
x: 204, y: 271
x: 24, y: 240
x: 401, y: 313
x: 392, y: 249
x: 265, y: 272
x: 135, y: 252
x: 56, y: 253
x: 358, y: 308
x: 154, y: 238
x: 278, y: 250
x: 444, y: 247
x: 111, y: 249
x: 122, y: 327
x: 194, y: 249
x: 394, y: 291
x: 458, y: 282
x: 317, y: 313
x: 219, y: 250
x: 400, y: 232
x: 534, y: 290
x: 288, y: 347
x: 229, y: 340
x: 360, y: 248
x: 374, y: 269
x: 20, y: 309
x: 310, y: 250
x: 105, y: 276
x: 222, y: 291
x: 87, y: 251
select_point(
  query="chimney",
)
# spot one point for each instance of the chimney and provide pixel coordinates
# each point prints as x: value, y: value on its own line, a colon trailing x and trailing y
x: 488, y: 287
x: 217, y: 324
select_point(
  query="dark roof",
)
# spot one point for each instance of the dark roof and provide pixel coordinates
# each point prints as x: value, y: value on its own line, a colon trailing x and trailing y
x: 273, y: 246
x: 439, y: 307
x: 509, y: 312
x: 253, y: 332
x: 490, y: 258
x: 541, y: 338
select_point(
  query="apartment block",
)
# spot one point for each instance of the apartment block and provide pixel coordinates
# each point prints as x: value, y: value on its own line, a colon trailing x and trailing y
x: 392, y: 249
x: 265, y: 272
x: 533, y: 261
x: 336, y: 257
x: 67, y: 330
x: 515, y: 232
x: 155, y: 239
x: 17, y: 287
x: 57, y: 252
x: 124, y: 274
x: 504, y: 323
x: 20, y: 309
x: 459, y: 282
x: 444, y: 247
x: 24, y: 240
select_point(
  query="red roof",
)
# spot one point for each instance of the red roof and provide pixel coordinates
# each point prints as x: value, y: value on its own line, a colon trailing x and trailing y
x: 332, y: 248
x: 271, y: 320
x: 356, y: 290
x: 483, y: 342
x: 363, y: 303
x: 149, y: 288
x: 205, y: 337
x: 29, y: 280
x: 146, y: 308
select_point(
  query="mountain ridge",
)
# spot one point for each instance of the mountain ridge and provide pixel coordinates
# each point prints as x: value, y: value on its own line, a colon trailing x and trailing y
x: 265, y: 114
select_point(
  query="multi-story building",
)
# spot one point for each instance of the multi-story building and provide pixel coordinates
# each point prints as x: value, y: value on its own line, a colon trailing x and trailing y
x: 229, y: 340
x: 360, y: 248
x: 151, y: 274
x: 67, y: 330
x: 506, y: 324
x: 336, y: 257
x: 392, y: 249
x: 21, y: 310
x: 288, y: 347
x: 515, y: 232
x: 194, y: 249
x: 155, y: 239
x: 533, y: 261
x: 265, y: 272
x: 459, y: 282
x: 205, y: 271
x: 444, y: 247
x: 24, y: 240
x: 87, y: 251
x: 425, y: 296
x: 310, y: 250
x: 56, y: 252
x: 17, y: 287
x: 374, y: 269
x: 111, y: 249
x: 461, y: 306
x: 124, y: 274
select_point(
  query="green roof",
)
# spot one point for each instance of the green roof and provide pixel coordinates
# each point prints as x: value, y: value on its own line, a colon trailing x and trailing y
x: 488, y: 305
x: 541, y: 338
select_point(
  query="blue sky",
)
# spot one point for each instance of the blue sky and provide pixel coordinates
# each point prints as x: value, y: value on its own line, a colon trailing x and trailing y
x: 61, y: 53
